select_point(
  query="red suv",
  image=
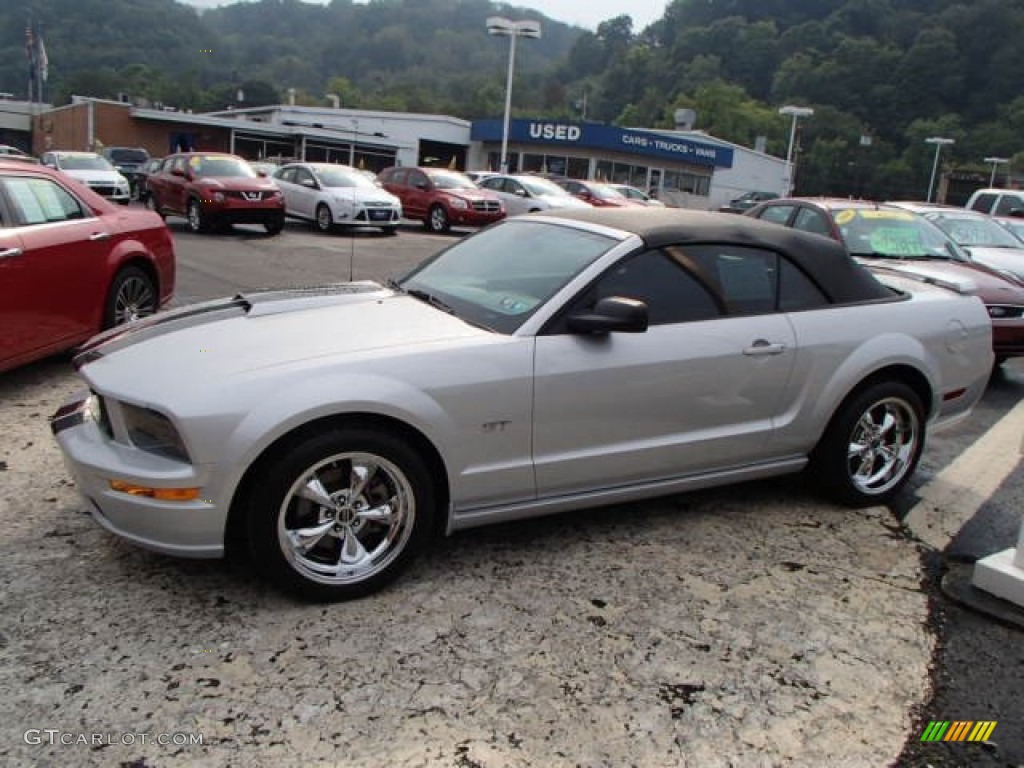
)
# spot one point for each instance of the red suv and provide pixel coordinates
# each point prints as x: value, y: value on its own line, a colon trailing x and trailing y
x: 212, y: 188
x: 440, y: 197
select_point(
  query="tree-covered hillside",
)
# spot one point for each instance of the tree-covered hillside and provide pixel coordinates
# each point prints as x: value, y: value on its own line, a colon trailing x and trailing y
x: 881, y: 75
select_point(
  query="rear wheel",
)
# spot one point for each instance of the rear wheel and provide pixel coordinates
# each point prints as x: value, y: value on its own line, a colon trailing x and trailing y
x: 323, y: 219
x: 437, y: 219
x: 132, y: 295
x: 341, y: 513
x: 871, y: 446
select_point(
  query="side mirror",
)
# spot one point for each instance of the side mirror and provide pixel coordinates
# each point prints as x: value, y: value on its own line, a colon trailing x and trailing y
x: 261, y: 173
x: 612, y: 314
x: 422, y: 185
x: 521, y: 193
x: 309, y: 183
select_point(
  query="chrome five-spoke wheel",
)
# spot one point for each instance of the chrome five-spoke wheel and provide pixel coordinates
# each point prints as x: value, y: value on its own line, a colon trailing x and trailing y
x: 872, y: 445
x: 339, y: 514
x: 132, y: 296
x: 347, y: 518
x: 883, y: 445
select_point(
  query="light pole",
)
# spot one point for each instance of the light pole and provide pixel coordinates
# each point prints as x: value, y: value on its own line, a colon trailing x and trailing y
x: 996, y: 162
x: 796, y: 113
x: 497, y: 25
x: 939, y: 143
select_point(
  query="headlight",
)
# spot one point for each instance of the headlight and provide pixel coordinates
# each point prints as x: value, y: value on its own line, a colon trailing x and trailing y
x: 153, y: 432
x: 458, y: 202
x: 96, y: 412
x: 219, y: 197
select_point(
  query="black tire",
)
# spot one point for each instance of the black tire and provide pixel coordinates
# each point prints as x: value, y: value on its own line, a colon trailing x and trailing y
x: 197, y: 221
x: 437, y: 219
x: 274, y: 225
x: 872, y: 445
x: 132, y: 295
x: 322, y: 218
x: 377, y: 503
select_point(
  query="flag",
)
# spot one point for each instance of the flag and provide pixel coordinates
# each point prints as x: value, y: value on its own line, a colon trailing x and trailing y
x: 41, y: 59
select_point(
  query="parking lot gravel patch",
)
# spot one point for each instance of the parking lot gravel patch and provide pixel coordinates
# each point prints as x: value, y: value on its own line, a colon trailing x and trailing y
x: 747, y: 626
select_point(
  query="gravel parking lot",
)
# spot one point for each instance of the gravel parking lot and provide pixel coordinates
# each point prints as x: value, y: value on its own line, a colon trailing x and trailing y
x: 748, y: 626
x: 751, y: 626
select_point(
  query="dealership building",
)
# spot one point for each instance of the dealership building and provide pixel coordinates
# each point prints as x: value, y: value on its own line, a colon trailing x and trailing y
x: 682, y: 167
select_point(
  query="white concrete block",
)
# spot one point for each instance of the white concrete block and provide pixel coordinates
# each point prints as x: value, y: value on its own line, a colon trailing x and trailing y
x: 999, y: 575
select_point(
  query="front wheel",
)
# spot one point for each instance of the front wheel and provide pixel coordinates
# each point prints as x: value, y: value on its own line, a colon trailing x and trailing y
x: 274, y: 225
x: 194, y: 214
x: 132, y: 295
x: 437, y: 219
x: 340, y: 514
x: 871, y: 446
x: 323, y: 218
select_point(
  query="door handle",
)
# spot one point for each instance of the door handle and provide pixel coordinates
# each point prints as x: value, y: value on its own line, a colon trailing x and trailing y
x: 763, y: 347
x: 97, y: 236
x: 10, y: 253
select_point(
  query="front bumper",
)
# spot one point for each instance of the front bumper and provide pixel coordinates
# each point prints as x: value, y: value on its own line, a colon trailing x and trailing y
x: 473, y: 217
x: 1008, y: 337
x: 192, y: 529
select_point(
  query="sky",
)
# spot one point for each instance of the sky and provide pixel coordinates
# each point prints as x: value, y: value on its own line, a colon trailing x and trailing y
x: 584, y: 13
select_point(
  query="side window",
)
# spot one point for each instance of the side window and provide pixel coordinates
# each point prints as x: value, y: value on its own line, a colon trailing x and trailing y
x: 416, y: 178
x: 796, y: 290
x: 659, y: 280
x: 287, y: 174
x: 983, y: 202
x: 810, y: 220
x: 303, y: 177
x: 1008, y: 204
x: 776, y: 213
x: 41, y: 201
x: 746, y: 279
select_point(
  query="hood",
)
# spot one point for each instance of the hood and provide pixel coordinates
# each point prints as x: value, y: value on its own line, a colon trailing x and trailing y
x: 990, y: 286
x: 363, y: 195
x: 472, y: 194
x: 237, y: 183
x: 96, y: 177
x: 1003, y: 259
x: 560, y: 201
x: 219, y: 340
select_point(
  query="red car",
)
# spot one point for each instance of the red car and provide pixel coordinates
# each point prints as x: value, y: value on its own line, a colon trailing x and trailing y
x: 212, y: 189
x: 440, y: 197
x: 72, y: 263
x: 886, y: 237
x: 598, y: 194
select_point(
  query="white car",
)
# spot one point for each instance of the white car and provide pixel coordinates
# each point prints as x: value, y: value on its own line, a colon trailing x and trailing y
x: 94, y: 171
x: 529, y: 194
x: 329, y: 194
x: 636, y: 194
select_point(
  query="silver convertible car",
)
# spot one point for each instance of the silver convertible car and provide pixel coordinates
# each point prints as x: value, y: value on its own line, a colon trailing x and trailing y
x: 550, y: 362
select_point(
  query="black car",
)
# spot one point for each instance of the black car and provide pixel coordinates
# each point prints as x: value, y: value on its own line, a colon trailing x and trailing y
x: 141, y: 186
x: 128, y: 161
x: 746, y: 201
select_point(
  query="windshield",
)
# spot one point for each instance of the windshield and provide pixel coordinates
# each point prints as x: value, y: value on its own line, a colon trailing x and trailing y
x: 221, y: 166
x: 83, y: 163
x: 974, y: 230
x: 500, y: 276
x: 893, y: 234
x: 1015, y: 226
x: 137, y: 156
x: 451, y: 180
x: 344, y: 177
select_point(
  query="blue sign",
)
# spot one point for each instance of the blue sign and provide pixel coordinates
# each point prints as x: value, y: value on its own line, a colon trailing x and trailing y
x: 608, y: 137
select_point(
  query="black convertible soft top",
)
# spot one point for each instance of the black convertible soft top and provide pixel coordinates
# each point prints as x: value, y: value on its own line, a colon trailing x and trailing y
x: 826, y: 261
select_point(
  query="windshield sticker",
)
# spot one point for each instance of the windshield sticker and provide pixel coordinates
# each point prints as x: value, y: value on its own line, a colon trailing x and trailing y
x: 844, y: 217
x: 889, y: 215
x: 193, y: 162
x: 896, y: 241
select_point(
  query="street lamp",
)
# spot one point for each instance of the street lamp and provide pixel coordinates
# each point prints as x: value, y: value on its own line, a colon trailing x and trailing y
x: 497, y: 25
x: 796, y: 113
x: 939, y: 143
x: 996, y: 162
